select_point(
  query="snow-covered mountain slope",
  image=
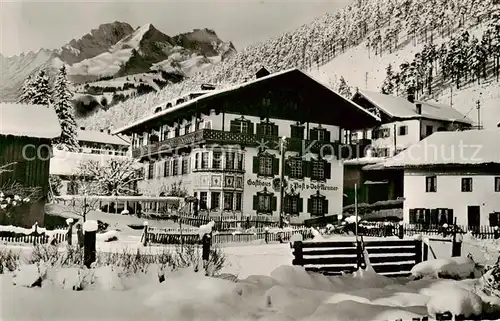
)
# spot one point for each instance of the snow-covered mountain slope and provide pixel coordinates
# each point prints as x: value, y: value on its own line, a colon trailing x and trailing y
x: 336, y: 45
x: 115, y: 50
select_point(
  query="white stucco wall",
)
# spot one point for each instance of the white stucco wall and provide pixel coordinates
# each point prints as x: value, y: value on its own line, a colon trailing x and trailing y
x: 449, y: 194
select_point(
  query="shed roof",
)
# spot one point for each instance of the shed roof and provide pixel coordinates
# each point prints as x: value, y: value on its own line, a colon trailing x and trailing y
x: 36, y: 121
x: 346, y: 114
x: 101, y: 137
x: 470, y: 147
x: 400, y: 107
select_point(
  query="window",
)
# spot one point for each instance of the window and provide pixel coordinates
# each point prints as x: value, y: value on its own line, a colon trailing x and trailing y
x: 494, y: 219
x: 497, y: 184
x: 381, y: 133
x: 175, y: 167
x: 229, y: 160
x: 184, y: 165
x: 467, y: 184
x: 72, y: 188
x: 204, y: 160
x: 295, y: 168
x: 237, y: 205
x: 266, y: 129
x: 319, y: 134
x: 196, y: 160
x: 241, y: 126
x: 293, y: 204
x: 264, y: 203
x: 265, y: 165
x: 214, y: 201
x: 297, y: 131
x: 429, y: 130
x: 382, y: 152
x: 431, y: 184
x: 318, y: 170
x: 187, y: 128
x: 403, y: 130
x: 166, y: 168
x: 177, y: 131
x: 239, y: 161
x: 217, y: 161
x: 203, y: 200
x: 317, y: 205
x: 151, y: 170
x: 228, y: 201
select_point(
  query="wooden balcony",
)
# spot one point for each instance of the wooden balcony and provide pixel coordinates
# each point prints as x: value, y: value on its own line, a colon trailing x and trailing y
x: 211, y: 136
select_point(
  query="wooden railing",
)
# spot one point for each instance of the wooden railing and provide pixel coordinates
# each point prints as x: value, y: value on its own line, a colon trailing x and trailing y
x: 272, y: 142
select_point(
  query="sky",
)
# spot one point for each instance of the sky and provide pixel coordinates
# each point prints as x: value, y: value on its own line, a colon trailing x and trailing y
x: 27, y: 26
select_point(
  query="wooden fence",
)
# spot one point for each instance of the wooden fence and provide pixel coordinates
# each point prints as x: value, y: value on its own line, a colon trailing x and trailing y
x: 390, y: 258
x: 223, y: 238
x: 225, y: 223
x: 32, y: 238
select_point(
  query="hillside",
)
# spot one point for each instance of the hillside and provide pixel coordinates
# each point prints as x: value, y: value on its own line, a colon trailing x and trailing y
x: 336, y: 45
x: 116, y: 50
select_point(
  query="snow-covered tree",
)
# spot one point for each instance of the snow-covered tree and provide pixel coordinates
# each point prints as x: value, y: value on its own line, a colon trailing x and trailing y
x: 117, y: 176
x: 41, y: 89
x: 388, y: 85
x: 344, y: 89
x: 27, y: 91
x: 64, y: 110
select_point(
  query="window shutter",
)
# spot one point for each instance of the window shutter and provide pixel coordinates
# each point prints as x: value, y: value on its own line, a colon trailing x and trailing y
x: 293, y: 131
x: 259, y: 130
x: 328, y: 170
x: 327, y: 136
x: 274, y: 203
x: 325, y: 206
x: 276, y: 166
x: 305, y: 168
x: 413, y: 216
x: 235, y: 126
x: 313, y: 134
x: 434, y: 217
x: 427, y: 217
x: 300, y: 132
x: 255, y: 206
x: 275, y: 130
x: 251, y: 129
x: 494, y: 219
x: 300, y: 204
x: 374, y: 134
x: 287, y: 168
x: 450, y: 216
x: 309, y: 205
x: 255, y: 169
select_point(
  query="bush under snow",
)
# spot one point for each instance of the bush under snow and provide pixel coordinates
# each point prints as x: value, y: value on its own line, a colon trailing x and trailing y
x: 455, y: 268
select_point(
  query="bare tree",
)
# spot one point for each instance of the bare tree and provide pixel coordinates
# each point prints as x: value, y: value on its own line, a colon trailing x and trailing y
x: 117, y: 176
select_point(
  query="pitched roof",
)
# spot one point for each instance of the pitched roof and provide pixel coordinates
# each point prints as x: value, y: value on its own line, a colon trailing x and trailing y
x: 101, y: 137
x: 400, y: 107
x: 359, y: 110
x: 364, y: 161
x: 67, y: 163
x: 470, y: 147
x: 36, y: 121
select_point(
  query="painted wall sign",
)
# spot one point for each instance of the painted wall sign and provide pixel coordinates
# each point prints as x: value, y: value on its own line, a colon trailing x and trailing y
x: 258, y: 183
x: 312, y: 186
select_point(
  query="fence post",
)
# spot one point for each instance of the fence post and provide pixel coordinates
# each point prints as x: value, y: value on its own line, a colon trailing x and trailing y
x: 298, y: 253
x: 145, y: 235
x: 401, y: 232
x: 205, y: 254
x: 69, y: 233
x: 36, y: 234
x: 89, y: 240
x: 418, y: 251
x: 426, y: 251
x: 496, y: 233
x: 456, y: 246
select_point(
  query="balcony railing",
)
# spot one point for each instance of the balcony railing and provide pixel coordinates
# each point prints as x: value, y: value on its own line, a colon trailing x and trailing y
x: 270, y: 142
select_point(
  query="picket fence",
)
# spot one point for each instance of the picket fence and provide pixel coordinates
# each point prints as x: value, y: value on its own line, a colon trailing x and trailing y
x: 32, y: 238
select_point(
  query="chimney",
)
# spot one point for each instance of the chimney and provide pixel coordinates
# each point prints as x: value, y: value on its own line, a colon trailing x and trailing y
x: 82, y: 128
x: 411, y: 98
x: 419, y: 108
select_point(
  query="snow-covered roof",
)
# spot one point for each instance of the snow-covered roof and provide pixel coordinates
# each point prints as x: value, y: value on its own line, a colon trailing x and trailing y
x: 364, y: 160
x: 470, y: 147
x: 103, y: 137
x: 213, y: 93
x: 67, y: 163
x: 400, y: 107
x: 29, y: 120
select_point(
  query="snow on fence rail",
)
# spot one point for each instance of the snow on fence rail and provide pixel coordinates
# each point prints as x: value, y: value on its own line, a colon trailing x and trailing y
x: 389, y: 258
x: 34, y: 235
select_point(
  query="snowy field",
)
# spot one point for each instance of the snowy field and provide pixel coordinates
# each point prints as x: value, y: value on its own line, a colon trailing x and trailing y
x: 269, y: 288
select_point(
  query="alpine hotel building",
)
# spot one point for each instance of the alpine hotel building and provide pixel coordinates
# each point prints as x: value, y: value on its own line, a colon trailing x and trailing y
x: 223, y: 146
